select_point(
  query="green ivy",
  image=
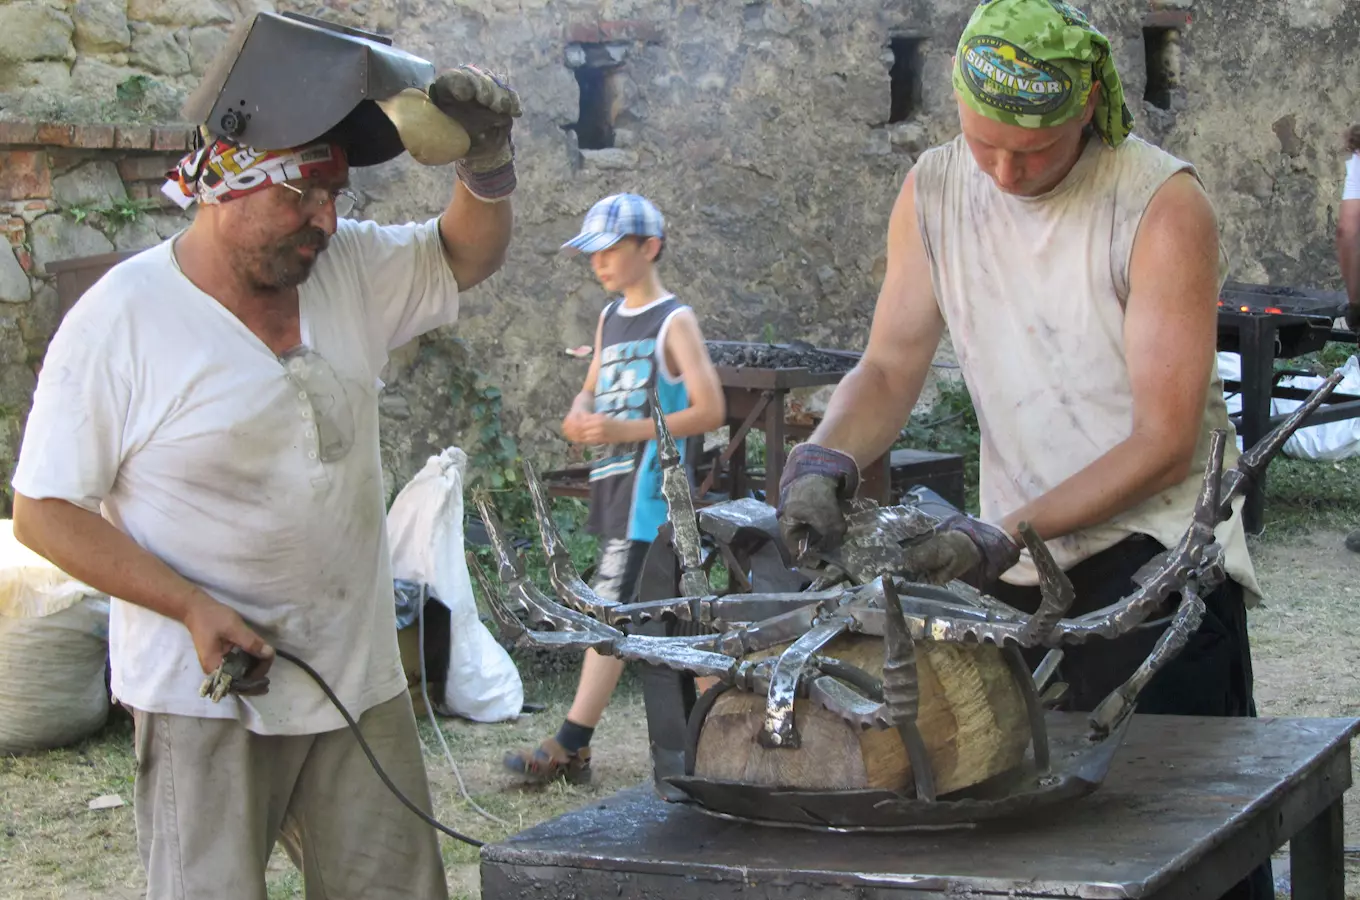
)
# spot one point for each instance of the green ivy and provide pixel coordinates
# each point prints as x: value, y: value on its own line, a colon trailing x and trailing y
x: 133, y: 91
x: 114, y: 216
x: 494, y: 462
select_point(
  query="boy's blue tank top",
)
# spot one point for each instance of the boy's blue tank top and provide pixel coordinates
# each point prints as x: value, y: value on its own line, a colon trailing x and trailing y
x: 625, y: 485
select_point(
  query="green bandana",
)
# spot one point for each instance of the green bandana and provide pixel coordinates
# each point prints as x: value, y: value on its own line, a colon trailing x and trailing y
x: 1032, y: 63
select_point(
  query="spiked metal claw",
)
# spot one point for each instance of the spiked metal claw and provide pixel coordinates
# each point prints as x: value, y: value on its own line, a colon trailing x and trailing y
x: 566, y: 581
x: 902, y: 693
x: 789, y: 672
x: 675, y: 488
x: 1257, y: 457
x: 1120, y: 704
x: 1054, y: 587
x: 883, y: 604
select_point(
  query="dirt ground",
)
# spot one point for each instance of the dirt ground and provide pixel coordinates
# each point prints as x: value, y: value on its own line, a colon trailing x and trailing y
x: 1305, y: 644
x: 53, y: 846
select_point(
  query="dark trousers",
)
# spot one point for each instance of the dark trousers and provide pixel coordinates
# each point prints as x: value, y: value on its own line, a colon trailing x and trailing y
x: 1210, y: 677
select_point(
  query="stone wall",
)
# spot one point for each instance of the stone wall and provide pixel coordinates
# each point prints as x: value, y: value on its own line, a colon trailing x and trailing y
x: 762, y: 131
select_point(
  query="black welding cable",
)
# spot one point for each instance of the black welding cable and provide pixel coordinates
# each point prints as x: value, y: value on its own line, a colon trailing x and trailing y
x: 363, y: 744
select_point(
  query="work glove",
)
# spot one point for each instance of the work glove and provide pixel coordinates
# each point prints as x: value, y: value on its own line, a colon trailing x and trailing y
x: 486, y: 106
x: 816, y: 485
x: 962, y: 548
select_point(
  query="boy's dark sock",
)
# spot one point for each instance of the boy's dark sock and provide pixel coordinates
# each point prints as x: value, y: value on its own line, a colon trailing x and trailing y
x: 573, y: 737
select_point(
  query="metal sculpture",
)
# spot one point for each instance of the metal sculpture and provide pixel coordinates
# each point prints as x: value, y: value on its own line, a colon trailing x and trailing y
x: 861, y: 589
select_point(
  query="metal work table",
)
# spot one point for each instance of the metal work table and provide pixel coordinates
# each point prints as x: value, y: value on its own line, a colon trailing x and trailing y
x: 756, y: 398
x: 1263, y: 323
x: 1191, y: 805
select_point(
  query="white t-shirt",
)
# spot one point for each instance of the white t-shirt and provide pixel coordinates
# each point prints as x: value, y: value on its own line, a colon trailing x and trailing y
x: 1352, y: 189
x: 159, y: 408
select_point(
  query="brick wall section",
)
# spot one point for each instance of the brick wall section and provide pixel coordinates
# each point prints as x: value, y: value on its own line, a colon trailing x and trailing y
x: 598, y: 31
x: 142, y: 155
x: 94, y: 137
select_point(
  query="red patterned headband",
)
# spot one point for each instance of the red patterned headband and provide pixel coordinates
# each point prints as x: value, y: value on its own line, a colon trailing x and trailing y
x: 222, y: 171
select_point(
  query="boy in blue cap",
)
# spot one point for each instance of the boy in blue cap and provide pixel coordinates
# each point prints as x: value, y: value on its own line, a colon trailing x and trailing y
x: 645, y: 338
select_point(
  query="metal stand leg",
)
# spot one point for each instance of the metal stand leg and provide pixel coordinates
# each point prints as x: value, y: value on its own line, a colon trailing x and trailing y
x: 668, y: 695
x: 774, y: 447
x: 1317, y: 868
x: 1257, y: 348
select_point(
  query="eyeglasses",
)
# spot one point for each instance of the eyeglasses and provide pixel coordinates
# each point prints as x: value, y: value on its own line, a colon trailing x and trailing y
x: 313, y: 197
x: 324, y: 404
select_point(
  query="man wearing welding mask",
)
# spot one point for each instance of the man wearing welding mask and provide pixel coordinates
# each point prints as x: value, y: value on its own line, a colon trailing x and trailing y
x: 216, y: 399
x: 1077, y: 270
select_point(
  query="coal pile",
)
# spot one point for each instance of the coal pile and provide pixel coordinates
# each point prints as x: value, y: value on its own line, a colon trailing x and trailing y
x: 779, y: 356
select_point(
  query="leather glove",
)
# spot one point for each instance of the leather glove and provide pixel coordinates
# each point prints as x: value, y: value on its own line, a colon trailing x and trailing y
x: 964, y: 548
x: 486, y: 106
x: 816, y: 482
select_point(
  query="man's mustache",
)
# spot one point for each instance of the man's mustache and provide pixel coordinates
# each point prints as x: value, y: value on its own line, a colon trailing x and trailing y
x: 310, y: 238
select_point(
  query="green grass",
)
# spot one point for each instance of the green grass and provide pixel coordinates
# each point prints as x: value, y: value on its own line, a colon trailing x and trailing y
x: 1306, y: 495
x: 1303, y: 495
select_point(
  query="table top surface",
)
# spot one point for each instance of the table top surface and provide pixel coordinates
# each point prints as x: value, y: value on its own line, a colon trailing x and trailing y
x: 1178, y: 788
x: 754, y: 379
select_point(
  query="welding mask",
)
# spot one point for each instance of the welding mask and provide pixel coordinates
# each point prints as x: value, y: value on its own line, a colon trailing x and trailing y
x: 289, y: 80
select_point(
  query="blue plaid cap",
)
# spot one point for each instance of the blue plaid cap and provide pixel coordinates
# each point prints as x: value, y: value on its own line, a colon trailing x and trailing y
x: 613, y: 218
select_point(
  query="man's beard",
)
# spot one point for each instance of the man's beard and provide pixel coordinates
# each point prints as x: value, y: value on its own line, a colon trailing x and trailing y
x: 281, y: 266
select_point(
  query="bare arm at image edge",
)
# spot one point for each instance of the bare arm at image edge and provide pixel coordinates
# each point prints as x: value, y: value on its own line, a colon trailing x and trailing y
x: 1348, y: 237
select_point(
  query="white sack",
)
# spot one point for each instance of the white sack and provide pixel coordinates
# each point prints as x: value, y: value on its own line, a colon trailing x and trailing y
x: 425, y: 530
x: 1329, y: 441
x: 54, y: 645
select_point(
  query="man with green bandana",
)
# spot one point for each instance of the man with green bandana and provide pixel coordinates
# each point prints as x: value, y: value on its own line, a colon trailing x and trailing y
x: 1076, y: 268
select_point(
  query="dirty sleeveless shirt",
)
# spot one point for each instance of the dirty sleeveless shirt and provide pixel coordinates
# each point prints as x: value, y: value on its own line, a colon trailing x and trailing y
x: 1033, y: 291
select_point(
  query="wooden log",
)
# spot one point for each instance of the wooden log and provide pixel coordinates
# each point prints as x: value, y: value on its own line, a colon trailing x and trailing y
x: 972, y: 720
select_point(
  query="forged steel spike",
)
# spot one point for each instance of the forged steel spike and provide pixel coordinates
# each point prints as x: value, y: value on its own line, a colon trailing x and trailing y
x: 855, y: 710
x: 1207, y: 505
x: 968, y: 595
x: 568, y: 619
x: 902, y: 693
x: 1054, y: 586
x: 590, y: 633
x: 767, y: 633
x: 566, y: 581
x: 1047, y: 668
x: 1254, y: 461
x: 516, y: 632
x: 780, y: 730
x: 676, y: 654
x: 1034, y: 708
x: 509, y: 625
x: 675, y: 488
x: 1122, y: 701
x: 511, y: 570
x: 858, y: 679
